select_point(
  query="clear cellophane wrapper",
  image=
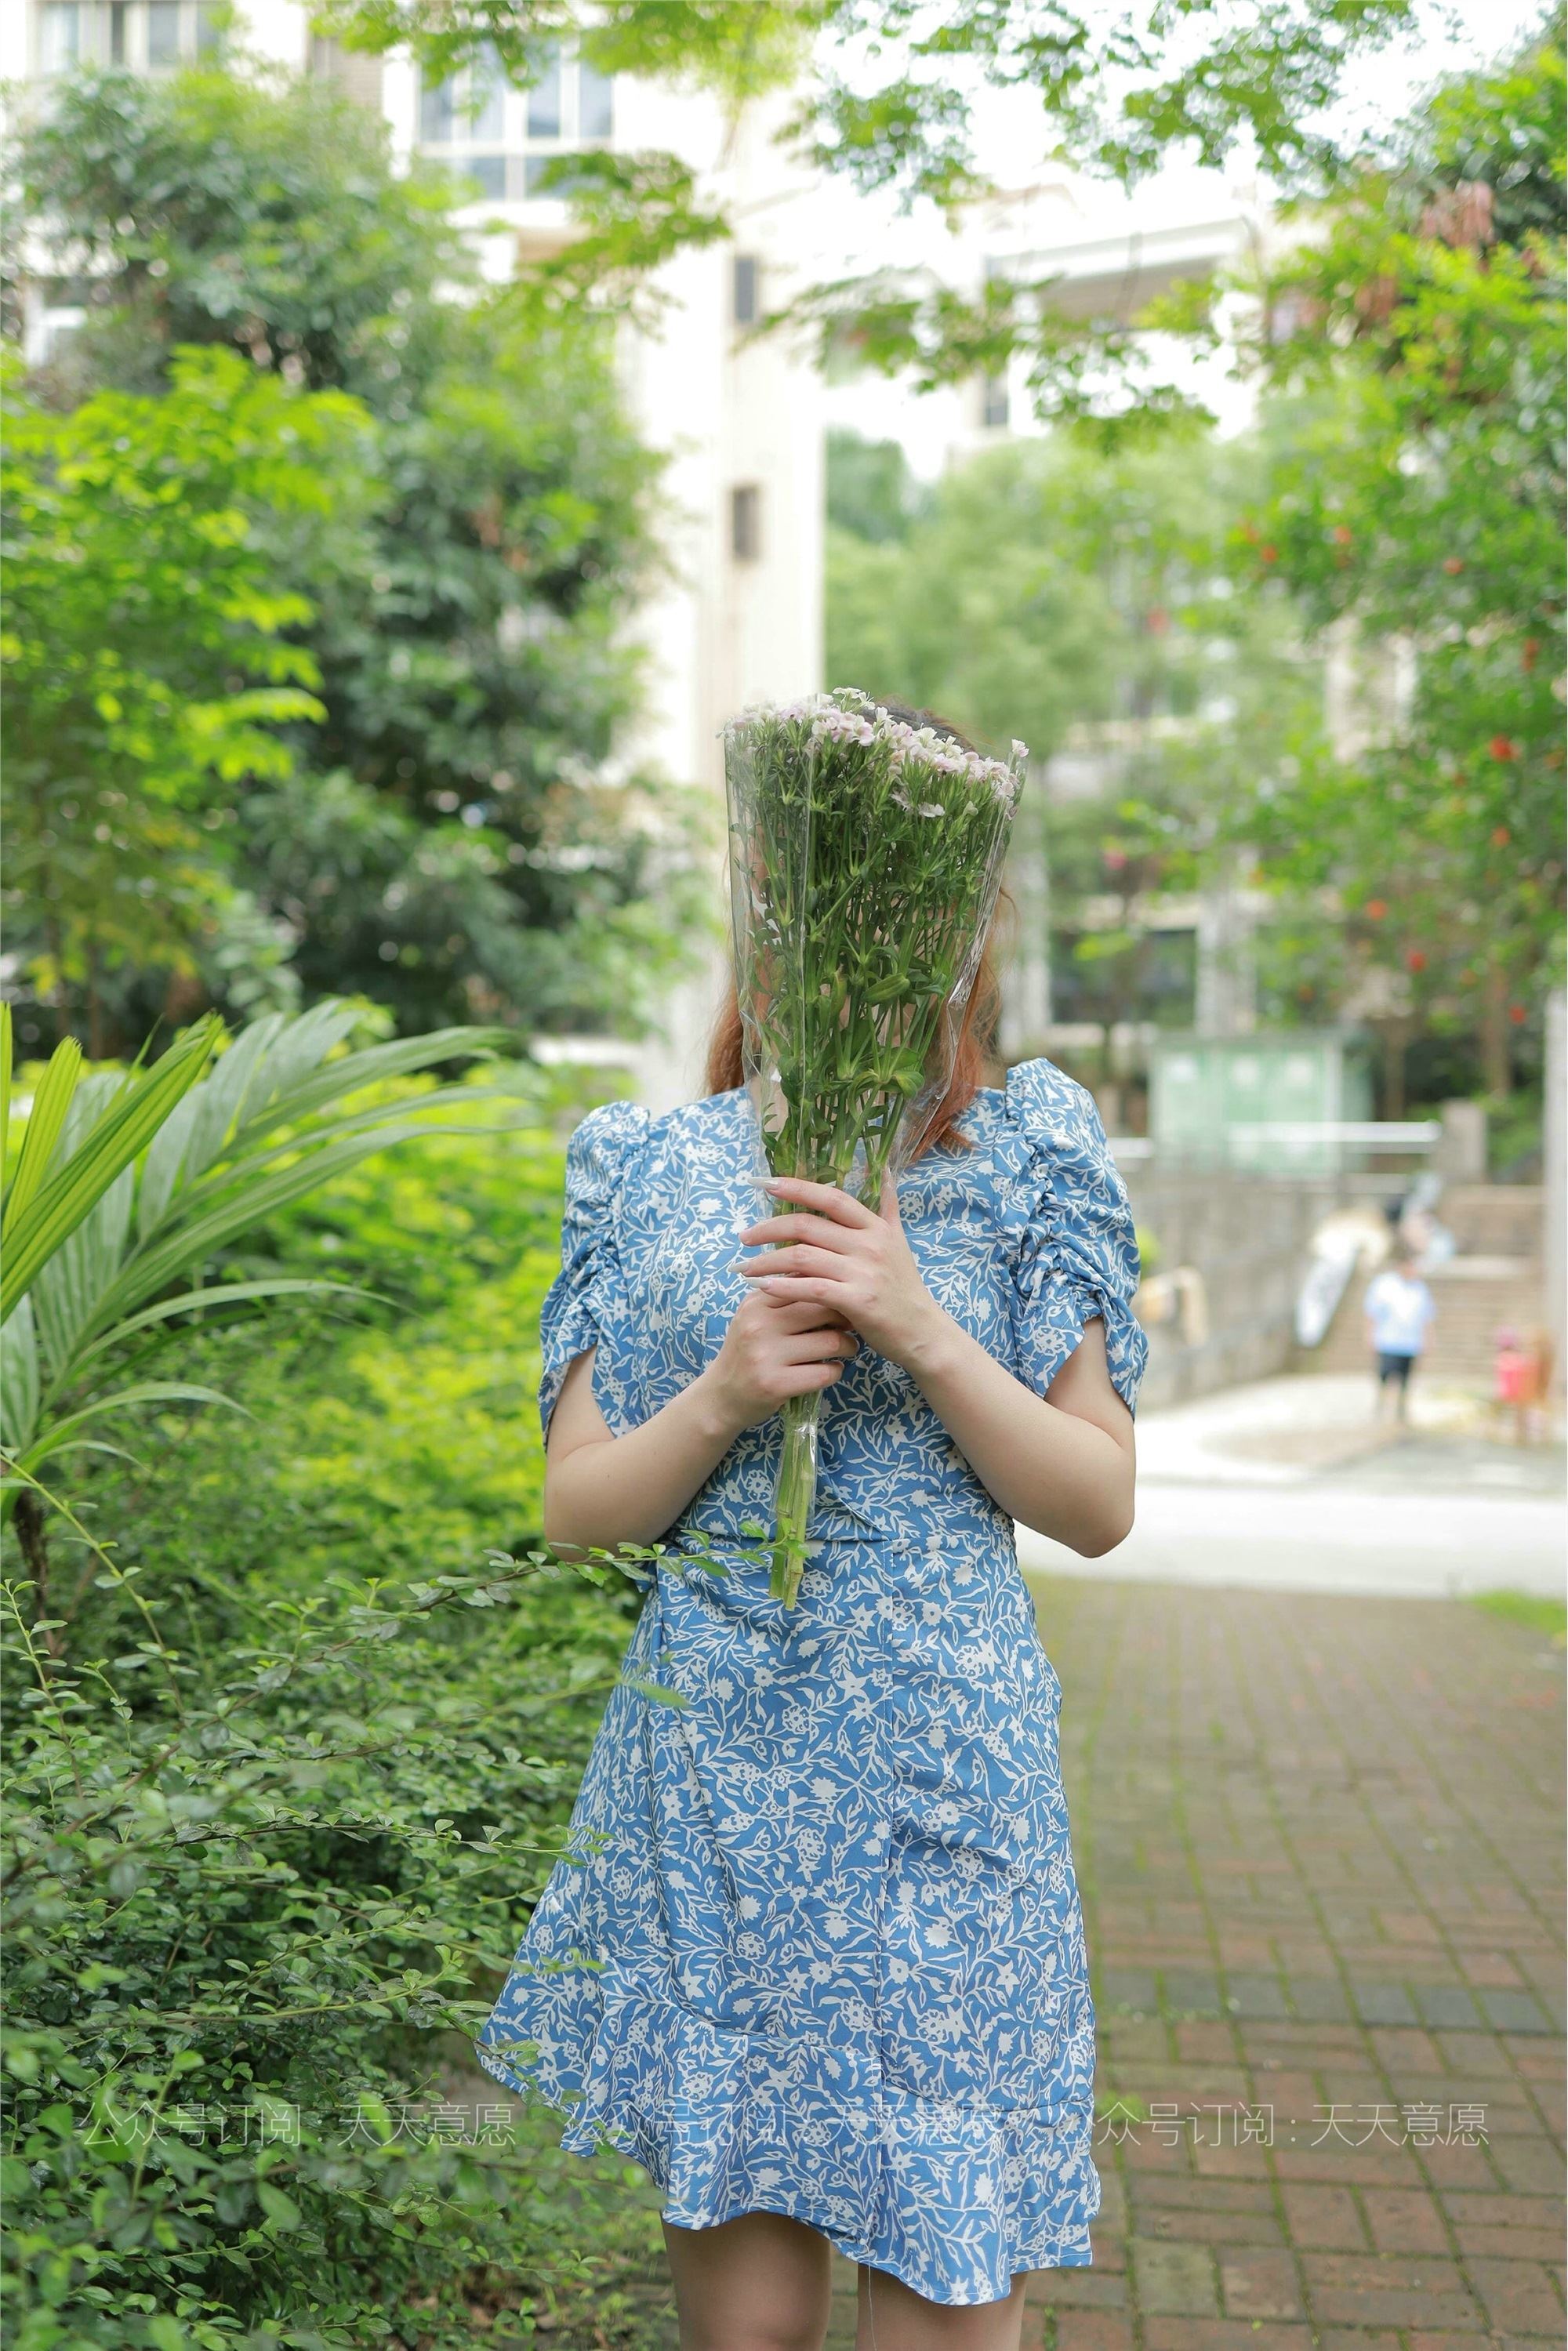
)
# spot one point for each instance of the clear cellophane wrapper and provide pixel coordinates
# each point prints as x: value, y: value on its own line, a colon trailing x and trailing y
x: 865, y: 857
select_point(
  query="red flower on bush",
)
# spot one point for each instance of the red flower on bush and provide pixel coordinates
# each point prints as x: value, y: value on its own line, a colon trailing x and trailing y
x: 1516, y: 1013
x: 1452, y: 563
x: 1415, y: 959
x: 1376, y: 908
x: 1500, y: 836
x: 1503, y: 747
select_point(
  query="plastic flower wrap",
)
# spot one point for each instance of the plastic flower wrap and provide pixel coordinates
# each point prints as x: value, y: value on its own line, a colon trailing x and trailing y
x: 865, y: 859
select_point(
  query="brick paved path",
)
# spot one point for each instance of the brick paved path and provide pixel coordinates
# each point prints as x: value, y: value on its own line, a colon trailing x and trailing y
x: 1321, y: 1850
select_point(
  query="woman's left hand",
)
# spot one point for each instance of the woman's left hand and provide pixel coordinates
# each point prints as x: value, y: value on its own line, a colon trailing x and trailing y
x: 831, y: 1250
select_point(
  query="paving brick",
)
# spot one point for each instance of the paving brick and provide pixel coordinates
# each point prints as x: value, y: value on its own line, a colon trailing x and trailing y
x: 1350, y: 2289
x: 1405, y: 2220
x: 1326, y: 2219
x: 1350, y: 2167
x: 1448, y: 2008
x: 1523, y: 2213
x: 1156, y: 2191
x: 1407, y: 2056
x: 1478, y: 2243
x: 1223, y: 2334
x: 1533, y: 2165
x: 1092, y: 2289
x: 1092, y: 2330
x: 1385, y: 2003
x: 1323, y: 1923
x: 1520, y: 2295
x: 1129, y: 1987
x: 1515, y: 2012
x: 1174, y: 2279
x: 1199, y: 2225
x: 1254, y: 1998
x: 1191, y: 1992
x: 1423, y: 2340
x: 1318, y: 1999
x: 1254, y: 2285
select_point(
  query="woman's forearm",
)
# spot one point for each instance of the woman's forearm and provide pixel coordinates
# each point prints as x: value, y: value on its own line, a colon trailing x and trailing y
x: 603, y: 1490
x: 1065, y: 1476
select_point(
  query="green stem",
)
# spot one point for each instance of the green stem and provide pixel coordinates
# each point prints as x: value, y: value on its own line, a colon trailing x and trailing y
x: 794, y: 1496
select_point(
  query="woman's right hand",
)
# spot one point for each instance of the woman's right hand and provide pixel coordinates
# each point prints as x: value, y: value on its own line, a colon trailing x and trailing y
x: 771, y: 1351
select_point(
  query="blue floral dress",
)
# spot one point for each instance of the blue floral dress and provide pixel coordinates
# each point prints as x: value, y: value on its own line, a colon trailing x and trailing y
x: 821, y: 1953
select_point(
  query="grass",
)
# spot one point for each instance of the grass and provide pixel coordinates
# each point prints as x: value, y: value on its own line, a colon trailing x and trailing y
x: 1538, y: 1616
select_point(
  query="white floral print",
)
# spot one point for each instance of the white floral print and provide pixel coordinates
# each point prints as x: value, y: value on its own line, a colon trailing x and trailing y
x: 816, y: 1948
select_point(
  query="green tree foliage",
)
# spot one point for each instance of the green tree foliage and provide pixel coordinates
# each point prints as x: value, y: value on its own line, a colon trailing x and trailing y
x: 871, y: 491
x: 447, y: 837
x: 150, y: 655
x: 1084, y: 602
x: 892, y: 108
x: 291, y: 1739
x: 1415, y: 498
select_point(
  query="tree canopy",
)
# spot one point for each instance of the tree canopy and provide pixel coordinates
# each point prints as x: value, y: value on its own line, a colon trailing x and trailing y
x: 1414, y: 499
x: 439, y: 825
x: 892, y: 104
x: 149, y: 661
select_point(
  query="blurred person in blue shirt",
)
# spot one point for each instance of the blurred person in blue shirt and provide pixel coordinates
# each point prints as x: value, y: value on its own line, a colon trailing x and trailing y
x: 1399, y: 1312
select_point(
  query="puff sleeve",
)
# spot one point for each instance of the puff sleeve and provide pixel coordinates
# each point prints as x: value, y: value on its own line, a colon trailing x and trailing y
x: 586, y: 1305
x: 1079, y: 1255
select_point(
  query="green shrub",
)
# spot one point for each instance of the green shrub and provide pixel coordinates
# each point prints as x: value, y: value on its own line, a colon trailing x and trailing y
x: 246, y: 1895
x: 282, y: 1800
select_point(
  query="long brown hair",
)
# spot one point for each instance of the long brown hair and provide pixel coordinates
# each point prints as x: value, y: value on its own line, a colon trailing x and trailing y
x: 971, y: 1053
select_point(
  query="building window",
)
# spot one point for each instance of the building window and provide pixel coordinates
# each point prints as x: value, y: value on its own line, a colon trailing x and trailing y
x: 544, y: 99
x: 59, y: 37
x: 595, y: 102
x: 487, y: 172
x: 162, y: 32
x: 137, y: 35
x: 436, y: 110
x: 994, y: 403
x: 744, y: 289
x: 505, y: 138
x: 746, y: 522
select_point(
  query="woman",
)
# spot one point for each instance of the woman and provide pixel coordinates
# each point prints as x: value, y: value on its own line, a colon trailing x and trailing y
x: 821, y: 1964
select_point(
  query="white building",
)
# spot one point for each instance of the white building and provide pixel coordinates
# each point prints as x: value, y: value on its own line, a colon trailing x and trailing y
x: 739, y: 617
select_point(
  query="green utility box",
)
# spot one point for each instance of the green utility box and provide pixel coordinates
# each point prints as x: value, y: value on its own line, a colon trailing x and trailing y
x: 1213, y: 1100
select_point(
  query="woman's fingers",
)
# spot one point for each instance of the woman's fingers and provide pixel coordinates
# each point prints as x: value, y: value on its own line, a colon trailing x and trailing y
x: 821, y: 1346
x: 796, y: 1317
x: 827, y: 1199
x: 796, y: 1259
x: 776, y: 1231
x: 794, y: 1288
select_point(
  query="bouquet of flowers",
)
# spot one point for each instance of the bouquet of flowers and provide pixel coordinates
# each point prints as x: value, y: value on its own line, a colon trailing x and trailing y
x: 864, y: 858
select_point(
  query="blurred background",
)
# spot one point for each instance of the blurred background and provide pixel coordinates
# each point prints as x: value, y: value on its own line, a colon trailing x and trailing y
x: 426, y: 425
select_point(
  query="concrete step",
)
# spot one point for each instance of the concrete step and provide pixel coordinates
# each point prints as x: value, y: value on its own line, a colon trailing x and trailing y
x: 1494, y: 1220
x: 1475, y: 1298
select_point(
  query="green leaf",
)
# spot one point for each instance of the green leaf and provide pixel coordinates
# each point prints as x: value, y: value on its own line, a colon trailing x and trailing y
x: 281, y: 2211
x: 46, y: 1220
x: 45, y: 1120
x: 222, y: 1293
x: 54, y: 1437
x: 5, y: 1085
